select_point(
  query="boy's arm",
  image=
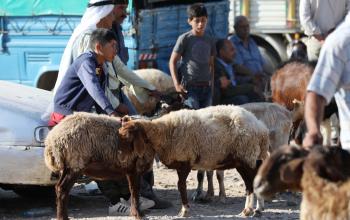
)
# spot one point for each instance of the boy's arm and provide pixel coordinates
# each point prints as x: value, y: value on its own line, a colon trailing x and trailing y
x: 87, y: 75
x: 174, y: 58
x: 211, y: 67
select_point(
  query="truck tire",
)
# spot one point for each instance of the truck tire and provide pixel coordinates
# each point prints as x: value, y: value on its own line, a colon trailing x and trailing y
x: 47, y: 80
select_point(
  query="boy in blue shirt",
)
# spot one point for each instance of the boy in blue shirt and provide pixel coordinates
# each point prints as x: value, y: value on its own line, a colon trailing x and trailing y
x: 83, y: 85
x: 196, y: 51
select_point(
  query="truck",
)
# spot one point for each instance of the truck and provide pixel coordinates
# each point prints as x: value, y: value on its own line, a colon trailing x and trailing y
x: 34, y: 33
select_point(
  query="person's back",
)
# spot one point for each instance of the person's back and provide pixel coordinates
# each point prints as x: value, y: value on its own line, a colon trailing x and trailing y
x: 331, y: 77
x: 196, y: 51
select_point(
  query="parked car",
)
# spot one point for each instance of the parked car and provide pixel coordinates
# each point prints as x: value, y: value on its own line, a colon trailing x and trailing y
x: 22, y: 132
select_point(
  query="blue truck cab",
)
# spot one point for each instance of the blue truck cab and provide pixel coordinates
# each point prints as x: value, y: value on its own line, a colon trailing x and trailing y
x: 34, y: 33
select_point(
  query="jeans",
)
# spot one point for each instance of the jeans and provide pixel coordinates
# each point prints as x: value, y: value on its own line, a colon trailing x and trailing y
x: 125, y: 100
x: 198, y: 97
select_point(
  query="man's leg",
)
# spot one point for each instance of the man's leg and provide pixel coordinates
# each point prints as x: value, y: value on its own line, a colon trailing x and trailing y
x: 125, y: 100
x: 114, y: 190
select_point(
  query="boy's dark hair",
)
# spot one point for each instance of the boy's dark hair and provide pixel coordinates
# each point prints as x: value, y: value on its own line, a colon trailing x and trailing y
x: 102, y: 36
x: 197, y: 10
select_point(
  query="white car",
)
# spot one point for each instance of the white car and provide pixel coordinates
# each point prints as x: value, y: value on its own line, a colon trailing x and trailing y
x: 22, y: 131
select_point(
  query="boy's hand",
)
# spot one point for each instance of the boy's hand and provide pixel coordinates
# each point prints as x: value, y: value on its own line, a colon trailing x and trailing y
x: 122, y: 109
x: 180, y: 89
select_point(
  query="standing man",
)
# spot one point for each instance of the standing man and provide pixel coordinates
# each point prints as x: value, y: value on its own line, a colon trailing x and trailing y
x: 319, y: 18
x: 331, y: 77
x: 120, y: 14
x: 248, y: 62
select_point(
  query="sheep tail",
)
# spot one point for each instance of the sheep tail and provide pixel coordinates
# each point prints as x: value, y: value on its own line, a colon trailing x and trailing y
x: 50, y: 160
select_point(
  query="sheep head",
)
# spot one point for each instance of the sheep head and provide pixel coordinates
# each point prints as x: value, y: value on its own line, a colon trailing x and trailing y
x: 133, y: 137
x: 282, y: 170
x: 331, y: 163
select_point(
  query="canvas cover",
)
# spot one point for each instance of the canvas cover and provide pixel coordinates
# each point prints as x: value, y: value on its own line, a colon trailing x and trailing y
x: 42, y: 7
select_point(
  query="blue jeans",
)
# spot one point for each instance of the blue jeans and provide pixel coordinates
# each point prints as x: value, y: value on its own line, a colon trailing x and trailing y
x: 198, y: 97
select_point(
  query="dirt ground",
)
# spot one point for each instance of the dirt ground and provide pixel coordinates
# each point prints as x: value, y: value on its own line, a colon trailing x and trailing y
x: 86, y: 206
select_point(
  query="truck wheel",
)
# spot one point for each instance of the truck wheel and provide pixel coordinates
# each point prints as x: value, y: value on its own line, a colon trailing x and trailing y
x: 35, y: 191
x: 47, y: 81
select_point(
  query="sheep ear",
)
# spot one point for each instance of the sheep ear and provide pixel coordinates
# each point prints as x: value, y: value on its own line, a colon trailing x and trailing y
x: 292, y: 171
x: 139, y: 141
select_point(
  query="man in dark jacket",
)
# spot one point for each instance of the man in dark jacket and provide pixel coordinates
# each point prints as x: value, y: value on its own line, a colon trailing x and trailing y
x: 227, y: 91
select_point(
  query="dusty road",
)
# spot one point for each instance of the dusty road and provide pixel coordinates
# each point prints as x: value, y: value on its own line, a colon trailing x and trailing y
x: 94, y: 207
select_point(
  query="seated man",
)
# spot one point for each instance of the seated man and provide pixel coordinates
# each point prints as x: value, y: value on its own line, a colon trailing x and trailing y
x: 83, y: 85
x: 248, y: 62
x: 227, y: 91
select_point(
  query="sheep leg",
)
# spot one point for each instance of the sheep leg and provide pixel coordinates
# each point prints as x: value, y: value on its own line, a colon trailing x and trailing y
x: 210, y: 193
x: 65, y: 183
x: 247, y: 175
x: 200, y: 179
x: 220, y: 178
x: 134, y: 187
x: 182, y: 173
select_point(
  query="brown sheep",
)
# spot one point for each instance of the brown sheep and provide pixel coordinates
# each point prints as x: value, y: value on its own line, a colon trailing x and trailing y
x: 96, y: 146
x: 288, y: 88
x: 322, y: 175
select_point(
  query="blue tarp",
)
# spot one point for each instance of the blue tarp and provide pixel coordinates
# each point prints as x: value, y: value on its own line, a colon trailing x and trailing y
x: 42, y: 7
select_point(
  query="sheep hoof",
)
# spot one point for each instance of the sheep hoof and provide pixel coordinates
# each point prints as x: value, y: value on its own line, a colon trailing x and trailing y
x: 197, y: 195
x: 257, y: 213
x: 184, y: 212
x: 206, y: 199
x: 247, y: 212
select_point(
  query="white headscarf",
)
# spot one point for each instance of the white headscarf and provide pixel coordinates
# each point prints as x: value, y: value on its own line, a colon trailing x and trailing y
x: 89, y: 20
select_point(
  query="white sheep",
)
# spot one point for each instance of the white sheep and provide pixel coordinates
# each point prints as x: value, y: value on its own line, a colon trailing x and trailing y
x: 218, y: 137
x: 322, y: 175
x: 145, y: 104
x: 279, y: 122
x: 95, y: 146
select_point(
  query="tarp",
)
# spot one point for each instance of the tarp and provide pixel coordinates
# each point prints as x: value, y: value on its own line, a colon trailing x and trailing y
x: 42, y: 7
